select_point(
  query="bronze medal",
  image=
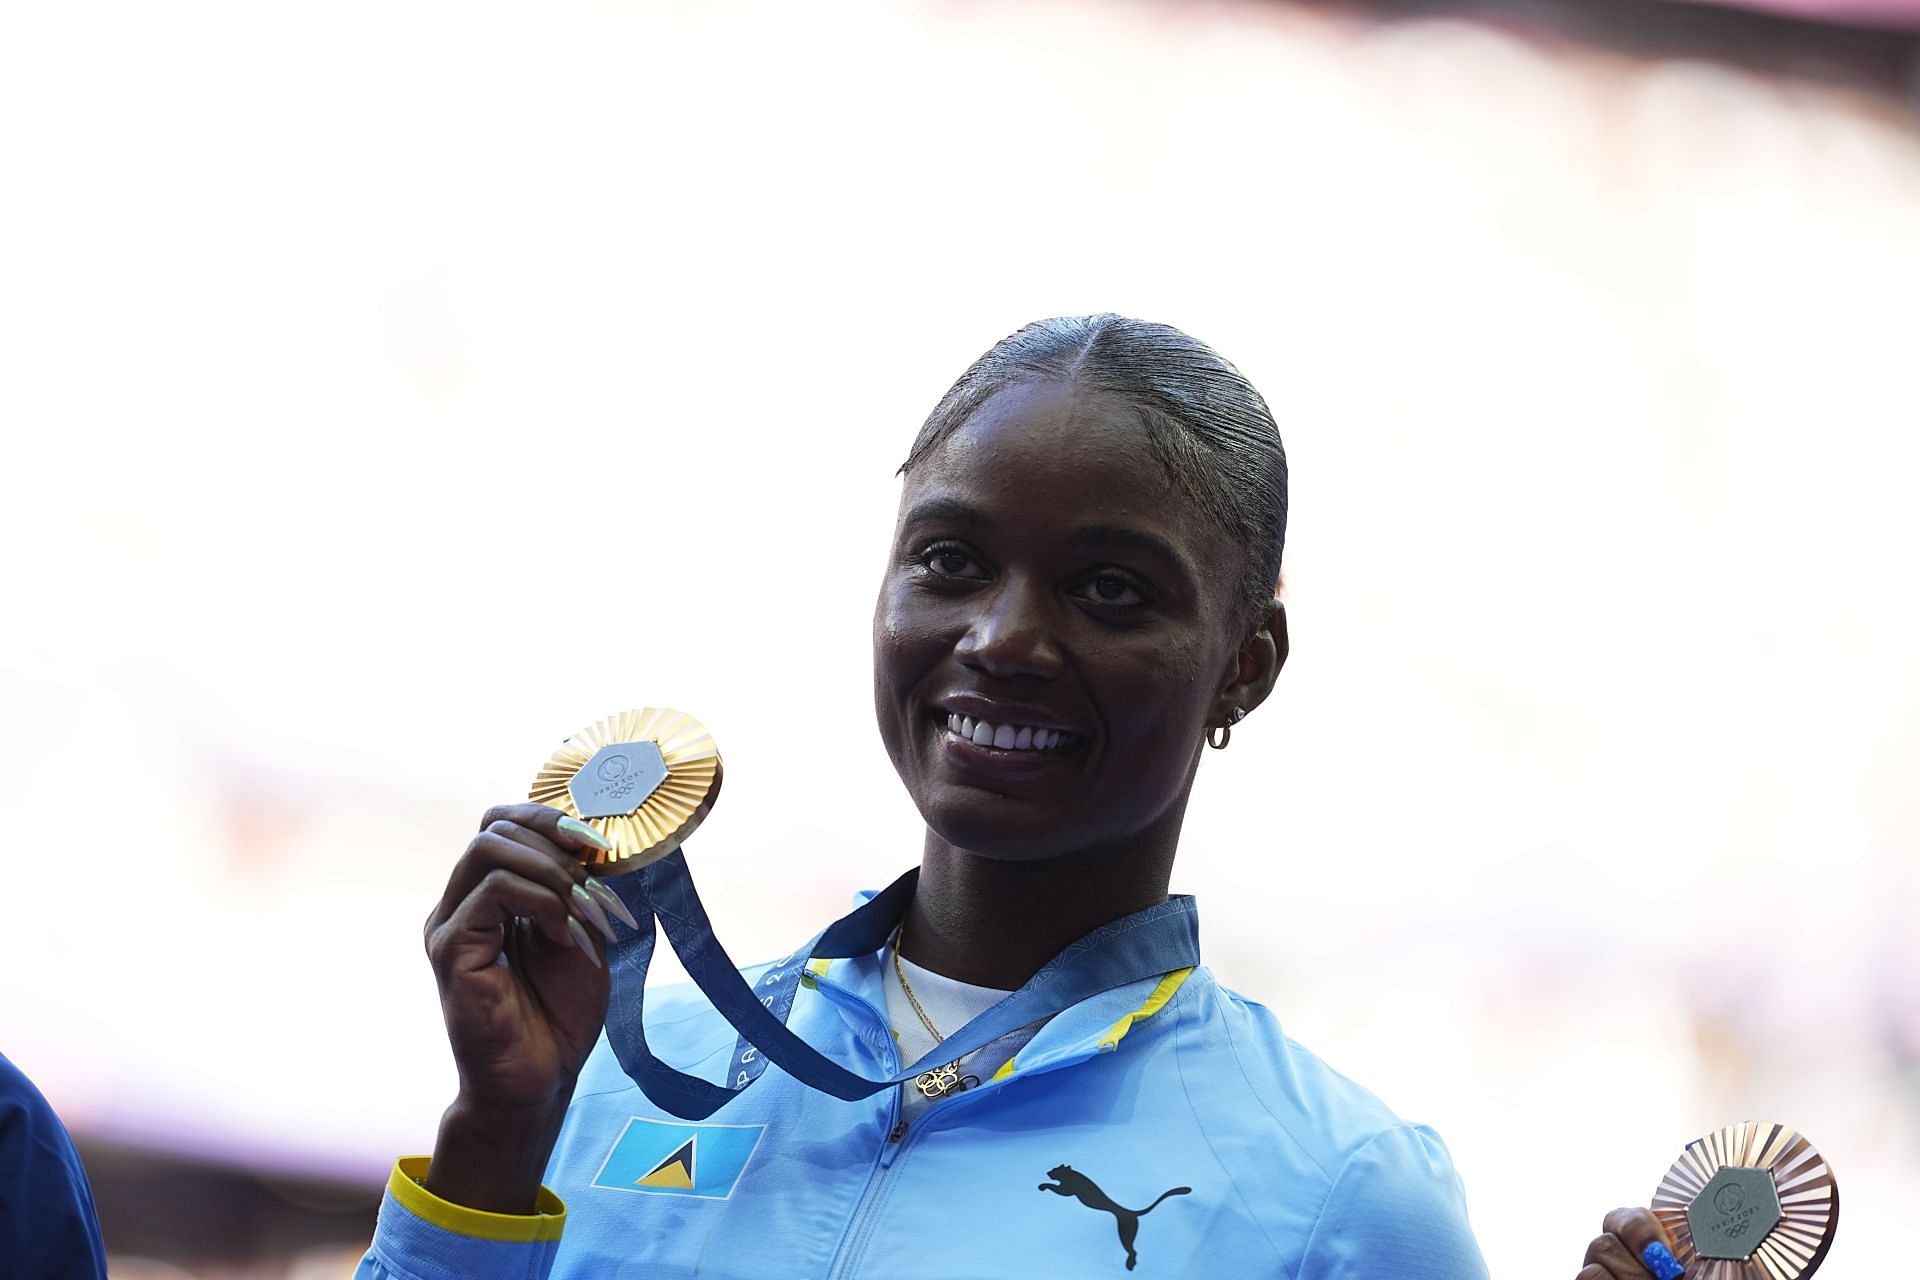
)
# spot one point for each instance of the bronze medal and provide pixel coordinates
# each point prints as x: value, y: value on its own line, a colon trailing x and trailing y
x: 1749, y: 1202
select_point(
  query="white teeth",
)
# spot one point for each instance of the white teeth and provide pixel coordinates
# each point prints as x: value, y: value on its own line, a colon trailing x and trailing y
x: 1003, y: 737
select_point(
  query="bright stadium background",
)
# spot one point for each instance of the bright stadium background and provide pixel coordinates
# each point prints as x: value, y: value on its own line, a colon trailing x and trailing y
x: 391, y: 389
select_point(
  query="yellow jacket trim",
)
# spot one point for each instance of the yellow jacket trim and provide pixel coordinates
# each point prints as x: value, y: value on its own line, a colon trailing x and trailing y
x: 1156, y: 1000
x: 406, y: 1187
x: 1154, y: 1004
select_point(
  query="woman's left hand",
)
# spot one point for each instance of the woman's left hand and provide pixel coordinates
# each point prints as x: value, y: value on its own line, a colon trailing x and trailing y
x: 1619, y: 1252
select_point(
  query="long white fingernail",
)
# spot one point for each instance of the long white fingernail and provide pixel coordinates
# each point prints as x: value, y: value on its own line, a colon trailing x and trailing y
x: 585, y: 832
x: 592, y: 911
x: 611, y: 901
x: 582, y: 940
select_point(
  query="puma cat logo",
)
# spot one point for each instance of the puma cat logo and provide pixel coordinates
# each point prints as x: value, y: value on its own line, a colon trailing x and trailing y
x: 1068, y: 1182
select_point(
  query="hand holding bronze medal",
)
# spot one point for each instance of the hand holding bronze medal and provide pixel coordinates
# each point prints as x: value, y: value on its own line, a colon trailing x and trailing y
x: 1749, y: 1202
x: 645, y: 780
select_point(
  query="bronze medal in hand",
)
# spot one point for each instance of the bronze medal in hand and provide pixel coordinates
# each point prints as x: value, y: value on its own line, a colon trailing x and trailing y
x: 1749, y: 1202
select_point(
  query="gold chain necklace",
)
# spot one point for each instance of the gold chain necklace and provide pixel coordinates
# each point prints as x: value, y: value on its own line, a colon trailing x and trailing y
x: 940, y: 1081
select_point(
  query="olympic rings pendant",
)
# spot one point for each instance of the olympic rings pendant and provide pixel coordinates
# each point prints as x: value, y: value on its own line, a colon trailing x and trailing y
x: 941, y: 1081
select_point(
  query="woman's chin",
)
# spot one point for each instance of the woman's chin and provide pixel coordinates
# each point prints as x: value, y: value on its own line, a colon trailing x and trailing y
x: 990, y: 826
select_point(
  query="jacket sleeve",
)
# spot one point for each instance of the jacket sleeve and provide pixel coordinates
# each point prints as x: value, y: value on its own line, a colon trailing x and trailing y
x: 1397, y: 1209
x: 47, y: 1222
x: 422, y: 1237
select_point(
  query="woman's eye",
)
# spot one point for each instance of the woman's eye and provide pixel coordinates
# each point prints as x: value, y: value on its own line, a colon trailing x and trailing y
x: 1111, y: 589
x: 951, y: 562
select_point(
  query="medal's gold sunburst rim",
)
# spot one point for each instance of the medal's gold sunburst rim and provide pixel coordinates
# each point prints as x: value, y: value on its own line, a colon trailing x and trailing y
x: 667, y: 817
x: 1809, y: 1201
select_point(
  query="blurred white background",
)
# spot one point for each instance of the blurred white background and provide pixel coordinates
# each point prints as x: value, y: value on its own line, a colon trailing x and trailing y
x: 339, y: 340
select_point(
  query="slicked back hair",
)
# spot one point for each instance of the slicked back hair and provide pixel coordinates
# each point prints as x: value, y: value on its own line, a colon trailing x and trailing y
x: 1204, y: 420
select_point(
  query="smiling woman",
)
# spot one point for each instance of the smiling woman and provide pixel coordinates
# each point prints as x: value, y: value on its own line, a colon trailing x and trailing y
x: 1079, y: 595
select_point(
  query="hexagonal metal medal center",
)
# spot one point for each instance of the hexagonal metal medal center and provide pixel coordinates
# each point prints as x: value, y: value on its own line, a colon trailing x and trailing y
x: 1734, y: 1212
x: 617, y: 779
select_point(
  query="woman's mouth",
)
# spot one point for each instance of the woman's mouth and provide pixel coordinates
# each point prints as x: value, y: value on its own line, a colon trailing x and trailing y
x: 1007, y: 737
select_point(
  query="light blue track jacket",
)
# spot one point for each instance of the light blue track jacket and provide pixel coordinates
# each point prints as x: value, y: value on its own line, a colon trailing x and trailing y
x: 1165, y: 1128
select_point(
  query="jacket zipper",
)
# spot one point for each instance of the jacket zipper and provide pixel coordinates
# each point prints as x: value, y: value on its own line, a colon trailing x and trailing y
x: 851, y: 1244
x: 854, y: 1245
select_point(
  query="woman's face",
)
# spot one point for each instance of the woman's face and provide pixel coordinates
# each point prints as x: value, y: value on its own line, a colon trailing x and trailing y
x: 1054, y: 631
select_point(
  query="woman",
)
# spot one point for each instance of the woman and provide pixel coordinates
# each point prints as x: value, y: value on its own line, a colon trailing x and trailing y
x: 1079, y: 595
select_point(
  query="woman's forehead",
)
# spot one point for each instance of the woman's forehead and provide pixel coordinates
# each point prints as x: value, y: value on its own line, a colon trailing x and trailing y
x: 1048, y: 435
x: 1055, y: 457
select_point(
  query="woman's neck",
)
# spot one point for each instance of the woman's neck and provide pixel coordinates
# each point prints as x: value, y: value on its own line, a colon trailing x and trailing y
x: 994, y: 923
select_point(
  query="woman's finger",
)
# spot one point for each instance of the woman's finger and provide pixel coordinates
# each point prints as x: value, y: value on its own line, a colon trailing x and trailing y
x: 550, y: 822
x: 506, y: 847
x: 473, y: 936
x: 1614, y: 1259
x: 509, y: 844
x: 591, y: 900
x: 535, y: 849
x: 551, y: 833
x: 1649, y: 1242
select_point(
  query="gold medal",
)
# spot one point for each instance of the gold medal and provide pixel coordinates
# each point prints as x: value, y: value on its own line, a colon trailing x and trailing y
x: 1749, y: 1202
x: 643, y: 779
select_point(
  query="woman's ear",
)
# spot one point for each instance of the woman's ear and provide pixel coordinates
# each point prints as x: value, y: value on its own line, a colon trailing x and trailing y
x: 1256, y: 667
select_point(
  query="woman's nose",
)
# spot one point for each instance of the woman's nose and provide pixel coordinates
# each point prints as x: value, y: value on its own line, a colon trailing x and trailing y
x: 1013, y: 634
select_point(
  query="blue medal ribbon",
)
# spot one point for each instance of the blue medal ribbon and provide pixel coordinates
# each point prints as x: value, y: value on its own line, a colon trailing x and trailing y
x: 1145, y: 944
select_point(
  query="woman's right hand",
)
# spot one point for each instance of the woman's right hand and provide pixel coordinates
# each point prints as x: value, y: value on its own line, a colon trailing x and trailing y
x: 1619, y: 1252
x: 516, y: 946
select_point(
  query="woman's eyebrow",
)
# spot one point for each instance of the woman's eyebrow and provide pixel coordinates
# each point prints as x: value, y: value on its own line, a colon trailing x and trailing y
x: 945, y: 511
x: 1122, y: 537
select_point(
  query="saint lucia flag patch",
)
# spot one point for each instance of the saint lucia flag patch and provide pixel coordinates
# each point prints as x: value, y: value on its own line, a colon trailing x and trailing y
x: 655, y: 1157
